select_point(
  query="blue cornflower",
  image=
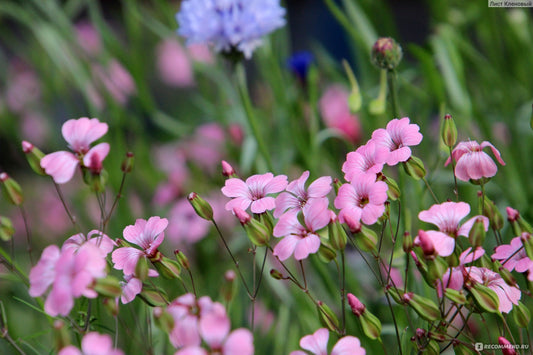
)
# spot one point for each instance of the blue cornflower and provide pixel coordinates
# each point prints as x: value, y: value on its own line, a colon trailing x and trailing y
x: 299, y: 64
x: 229, y: 24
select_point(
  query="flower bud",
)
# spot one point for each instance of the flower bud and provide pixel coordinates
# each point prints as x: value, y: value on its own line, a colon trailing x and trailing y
x: 461, y: 349
x: 477, y: 233
x: 229, y: 286
x: 432, y: 348
x: 201, y: 206
x: 128, y: 163
x: 425, y: 307
x: 414, y: 167
x: 256, y: 231
x: 354, y: 225
x: 386, y: 53
x: 521, y: 315
x: 371, y: 325
x: 336, y: 185
x: 227, y: 170
x: 507, y: 276
x: 327, y: 317
x: 163, y: 320
x: 108, y: 286
x: 153, y: 297
x: 354, y: 99
x: 436, y: 268
x: 182, y: 259
x: 111, y: 305
x: 506, y: 346
x: 396, y: 294
x: 141, y: 269
x: 12, y: 190
x: 61, y: 334
x: 34, y: 156
x: 426, y: 244
x: 407, y: 242
x: 366, y: 239
x: 393, y: 191
x: 455, y: 296
x: 493, y: 214
x: 325, y: 253
x: 357, y: 307
x: 436, y: 336
x: 96, y: 179
x: 527, y: 241
x: 166, y: 267
x: 276, y: 274
x: 337, y: 236
x: 485, y: 298
x: 449, y: 131
x: 6, y: 229
x: 524, y: 225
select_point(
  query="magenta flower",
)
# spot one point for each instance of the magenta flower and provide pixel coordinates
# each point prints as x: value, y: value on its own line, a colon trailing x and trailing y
x: 363, y: 199
x: 513, y: 257
x: 79, y: 134
x: 91, y: 344
x: 472, y: 162
x: 254, y: 192
x: 146, y: 234
x: 296, y: 196
x: 397, y: 138
x: 298, y: 239
x: 71, y: 274
x: 508, y: 295
x: 447, y: 216
x: 317, y: 343
x: 367, y: 159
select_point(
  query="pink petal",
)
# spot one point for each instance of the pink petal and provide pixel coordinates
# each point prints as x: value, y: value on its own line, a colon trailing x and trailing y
x: 240, y: 341
x: 126, y: 259
x: 69, y: 350
x: 371, y: 213
x: 95, y: 156
x: 191, y: 350
x: 263, y: 204
x: 495, y: 151
x: 399, y: 155
x: 297, y: 186
x: 287, y: 224
x: 285, y: 201
x: 464, y: 230
x: 307, y: 245
x: 94, y: 343
x: 284, y: 249
x: 277, y: 184
x: 131, y: 289
x: 43, y: 273
x: 443, y: 243
x: 61, y: 166
x: 320, y: 187
x: 348, y: 345
x: 214, y: 327
x: 316, y: 214
x: 82, y: 132
x: 235, y: 188
x: 317, y: 343
x: 240, y: 202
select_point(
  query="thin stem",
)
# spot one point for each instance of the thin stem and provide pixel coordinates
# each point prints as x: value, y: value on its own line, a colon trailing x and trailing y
x: 343, y: 292
x: 115, y: 203
x: 28, y: 232
x: 70, y: 216
x: 6, y: 259
x: 10, y: 340
x: 456, y: 188
x: 391, y: 80
x: 430, y: 190
x: 192, y: 283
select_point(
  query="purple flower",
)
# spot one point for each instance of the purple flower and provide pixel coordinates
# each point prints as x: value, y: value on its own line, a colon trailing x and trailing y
x: 299, y: 64
x: 229, y: 24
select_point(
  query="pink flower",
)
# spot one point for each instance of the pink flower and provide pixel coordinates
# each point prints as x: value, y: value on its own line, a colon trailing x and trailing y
x: 71, y: 274
x: 298, y: 239
x: 397, y: 138
x: 336, y: 113
x: 173, y: 64
x: 207, y: 146
x: 185, y: 226
x: 132, y: 286
x: 317, y: 343
x: 146, y: 234
x: 92, y: 344
x: 367, y: 159
x: 79, y: 134
x: 296, y: 196
x: 508, y: 295
x: 102, y: 241
x: 447, y: 216
x: 115, y: 79
x: 472, y: 162
x: 363, y: 199
x: 88, y: 38
x: 254, y: 192
x: 454, y: 277
x: 513, y: 257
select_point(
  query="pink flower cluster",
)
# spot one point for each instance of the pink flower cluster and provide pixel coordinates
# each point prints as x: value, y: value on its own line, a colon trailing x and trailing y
x: 197, y: 320
x: 92, y: 344
x: 513, y: 256
x: 70, y: 271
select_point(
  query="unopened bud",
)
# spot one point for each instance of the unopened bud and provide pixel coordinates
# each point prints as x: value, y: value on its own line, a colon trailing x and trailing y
x: 229, y: 287
x: 154, y: 297
x: 337, y: 236
x: 357, y: 307
x: 355, y: 98
x: 521, y: 315
x: 128, y: 163
x: 455, y: 296
x: 163, y: 320
x: 354, y: 225
x: 336, y: 185
x: 182, y: 259
x: 506, y: 346
x: 449, y: 131
x: 141, y: 269
x: 493, y: 214
x: 327, y: 317
x: 393, y: 191
x: 34, y: 156
x: 6, y: 229
x: 527, y: 241
x: 326, y: 253
x: 371, y: 325
x: 12, y: 190
x: 61, y: 334
x: 485, y: 298
x: 108, y: 286
x: 95, y: 178
x: 366, y: 239
x: 276, y: 274
x: 425, y: 307
x: 435, y: 269
x: 166, y: 267
x: 111, y: 305
x: 414, y: 167
x: 426, y: 244
x: 396, y: 294
x: 407, y: 242
x: 477, y: 233
x: 507, y: 276
x: 257, y: 232
x: 227, y: 170
x: 386, y: 53
x: 202, y: 208
x: 462, y: 349
x: 436, y: 336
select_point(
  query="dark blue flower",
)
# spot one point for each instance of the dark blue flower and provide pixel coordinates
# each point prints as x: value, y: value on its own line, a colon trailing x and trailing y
x: 299, y: 64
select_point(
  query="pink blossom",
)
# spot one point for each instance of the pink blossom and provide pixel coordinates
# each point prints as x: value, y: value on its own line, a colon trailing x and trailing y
x: 454, y: 277
x: 71, y: 274
x: 207, y: 146
x: 298, y: 239
x: 508, y: 295
x: 472, y: 162
x: 24, y: 88
x: 173, y: 64
x: 254, y: 192
x: 447, y: 217
x: 185, y: 226
x: 367, y: 159
x: 363, y: 199
x: 513, y: 257
x: 201, y: 53
x: 146, y: 234
x: 92, y: 344
x: 88, y: 38
x: 336, y: 113
x: 296, y: 196
x: 132, y: 286
x: 115, y: 80
x: 102, y: 241
x: 397, y: 138
x: 317, y: 343
x: 79, y: 134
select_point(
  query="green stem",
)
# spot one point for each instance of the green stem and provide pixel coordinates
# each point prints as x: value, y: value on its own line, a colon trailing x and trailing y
x: 391, y: 80
x: 248, y: 109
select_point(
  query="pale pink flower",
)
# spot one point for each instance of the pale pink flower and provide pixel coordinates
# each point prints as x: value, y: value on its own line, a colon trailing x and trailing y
x: 132, y: 286
x: 367, y: 159
x: 254, y: 192
x: 115, y: 79
x: 399, y: 135
x: 79, y: 134
x: 88, y: 38
x: 97, y: 238
x: 24, y: 87
x: 201, y: 53
x: 296, y: 196
x: 472, y: 162
x: 207, y: 146
x: 173, y: 64
x: 317, y: 343
x: 185, y: 226
x: 508, y: 295
x: 454, y: 277
x: 363, y: 199
x: 93, y: 344
x: 513, y: 257
x: 236, y: 133
x: 336, y: 113
x: 447, y: 217
x: 71, y: 274
x: 146, y: 234
x: 298, y: 239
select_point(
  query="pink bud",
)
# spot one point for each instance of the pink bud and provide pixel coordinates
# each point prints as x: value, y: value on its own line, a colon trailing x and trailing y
x: 27, y: 147
x: 236, y: 134
x: 420, y: 333
x: 415, y: 258
x: 3, y: 177
x: 507, y: 348
x: 230, y: 275
x: 352, y: 223
x: 426, y: 244
x: 512, y: 214
x: 227, y: 169
x: 332, y: 217
x: 243, y: 217
x: 357, y: 307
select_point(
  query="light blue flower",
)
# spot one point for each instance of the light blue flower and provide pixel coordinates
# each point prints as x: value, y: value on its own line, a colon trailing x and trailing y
x: 229, y: 24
